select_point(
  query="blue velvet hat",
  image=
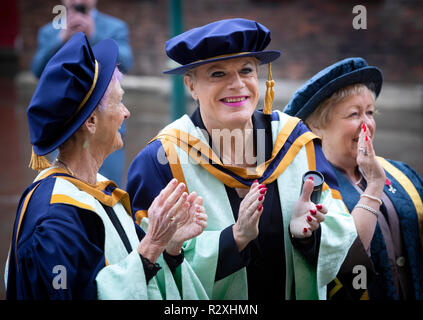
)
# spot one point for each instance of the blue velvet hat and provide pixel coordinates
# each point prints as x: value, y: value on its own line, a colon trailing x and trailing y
x: 70, y: 88
x: 322, y: 85
x: 220, y: 40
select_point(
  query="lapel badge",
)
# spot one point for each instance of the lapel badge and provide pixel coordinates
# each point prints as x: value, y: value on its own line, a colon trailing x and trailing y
x: 390, y: 187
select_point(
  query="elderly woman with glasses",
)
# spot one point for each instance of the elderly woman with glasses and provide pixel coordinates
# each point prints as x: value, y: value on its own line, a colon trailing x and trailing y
x: 383, y: 196
x: 265, y: 239
x: 74, y: 236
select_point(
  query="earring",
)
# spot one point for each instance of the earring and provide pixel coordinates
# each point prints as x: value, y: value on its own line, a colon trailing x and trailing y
x: 85, y: 144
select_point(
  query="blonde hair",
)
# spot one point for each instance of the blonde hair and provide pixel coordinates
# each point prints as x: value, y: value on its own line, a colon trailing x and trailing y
x: 191, y: 72
x: 322, y: 115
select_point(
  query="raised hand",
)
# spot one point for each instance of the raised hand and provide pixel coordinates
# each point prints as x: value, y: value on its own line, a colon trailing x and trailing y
x: 366, y: 160
x: 76, y: 22
x: 306, y: 216
x: 375, y: 177
x: 246, y: 227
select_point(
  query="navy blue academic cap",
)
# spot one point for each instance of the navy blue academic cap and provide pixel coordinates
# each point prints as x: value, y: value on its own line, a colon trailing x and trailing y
x: 322, y: 85
x: 70, y: 88
x: 220, y: 40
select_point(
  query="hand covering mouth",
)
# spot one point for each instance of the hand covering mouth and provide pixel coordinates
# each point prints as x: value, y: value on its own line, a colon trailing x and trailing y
x: 356, y: 139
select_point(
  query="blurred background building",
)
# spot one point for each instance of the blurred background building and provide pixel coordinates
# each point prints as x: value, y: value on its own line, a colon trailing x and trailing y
x: 311, y: 35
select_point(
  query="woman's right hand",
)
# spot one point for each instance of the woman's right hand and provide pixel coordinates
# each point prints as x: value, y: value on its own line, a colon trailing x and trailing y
x: 169, y: 207
x: 246, y: 227
x: 366, y: 160
x: 365, y: 222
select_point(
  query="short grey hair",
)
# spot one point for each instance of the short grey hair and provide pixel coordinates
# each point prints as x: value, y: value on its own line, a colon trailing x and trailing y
x: 191, y: 74
x: 116, y: 77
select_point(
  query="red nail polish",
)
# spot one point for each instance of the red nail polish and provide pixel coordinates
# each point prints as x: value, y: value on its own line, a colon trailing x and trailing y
x: 313, y: 212
x: 309, y: 218
x: 262, y: 186
x: 263, y: 191
x: 364, y: 127
x: 311, y: 178
x: 319, y: 206
x: 255, y: 181
x: 305, y: 230
x: 367, y: 138
x: 260, y: 207
x: 260, y: 198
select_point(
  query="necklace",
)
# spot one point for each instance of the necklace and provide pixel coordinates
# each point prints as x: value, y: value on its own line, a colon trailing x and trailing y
x: 58, y: 161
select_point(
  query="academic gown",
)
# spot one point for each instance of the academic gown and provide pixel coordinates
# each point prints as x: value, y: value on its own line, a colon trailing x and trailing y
x: 59, y: 246
x: 148, y: 174
x: 406, y: 198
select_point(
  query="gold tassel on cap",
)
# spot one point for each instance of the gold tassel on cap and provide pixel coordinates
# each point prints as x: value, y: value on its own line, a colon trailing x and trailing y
x: 38, y: 162
x: 270, y: 93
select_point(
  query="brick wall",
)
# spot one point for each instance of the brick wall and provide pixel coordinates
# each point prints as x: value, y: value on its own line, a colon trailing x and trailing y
x: 312, y: 34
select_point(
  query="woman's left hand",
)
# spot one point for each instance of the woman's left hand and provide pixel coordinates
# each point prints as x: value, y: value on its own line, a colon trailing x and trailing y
x: 306, y: 216
x: 193, y: 225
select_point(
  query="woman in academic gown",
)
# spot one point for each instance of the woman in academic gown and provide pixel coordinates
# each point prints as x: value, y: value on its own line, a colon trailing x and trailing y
x: 74, y: 236
x: 265, y: 239
x: 384, y: 196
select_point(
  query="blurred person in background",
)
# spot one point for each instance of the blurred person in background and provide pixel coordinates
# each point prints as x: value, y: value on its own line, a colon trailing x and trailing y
x: 82, y: 16
x: 384, y: 196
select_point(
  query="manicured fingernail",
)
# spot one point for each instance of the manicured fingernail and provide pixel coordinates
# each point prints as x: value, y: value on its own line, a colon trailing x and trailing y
x: 309, y: 218
x: 263, y: 191
x: 319, y: 206
x: 313, y: 212
x: 255, y: 181
x: 367, y: 138
x: 262, y: 186
x: 260, y: 198
x: 364, y: 127
x: 305, y: 230
x: 260, y: 207
x: 311, y: 178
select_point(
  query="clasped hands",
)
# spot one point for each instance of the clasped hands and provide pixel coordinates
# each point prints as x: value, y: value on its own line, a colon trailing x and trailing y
x: 173, y: 217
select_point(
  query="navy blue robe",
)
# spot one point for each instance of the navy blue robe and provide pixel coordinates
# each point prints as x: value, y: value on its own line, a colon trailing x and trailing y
x: 57, y: 249
x: 381, y: 286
